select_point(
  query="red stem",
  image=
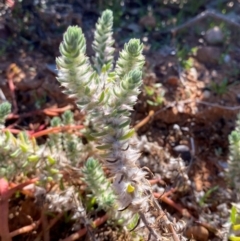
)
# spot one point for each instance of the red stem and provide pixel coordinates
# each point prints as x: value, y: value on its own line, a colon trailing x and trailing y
x: 25, y: 229
x: 5, y: 194
x: 4, y: 208
x: 83, y: 231
x: 171, y: 203
x: 47, y: 111
x: 56, y: 130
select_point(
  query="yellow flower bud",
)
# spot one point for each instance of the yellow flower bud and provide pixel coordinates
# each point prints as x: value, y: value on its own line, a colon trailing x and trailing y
x: 130, y: 188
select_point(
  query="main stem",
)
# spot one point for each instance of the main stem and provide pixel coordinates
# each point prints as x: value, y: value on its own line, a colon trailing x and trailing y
x: 5, y: 194
x: 4, y: 228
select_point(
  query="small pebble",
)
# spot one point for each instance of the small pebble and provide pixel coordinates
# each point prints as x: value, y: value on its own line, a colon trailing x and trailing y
x: 206, y: 94
x: 134, y: 27
x: 214, y: 73
x: 198, y: 232
x: 214, y: 36
x: 238, y: 98
x: 176, y: 127
x: 184, y: 152
x: 208, y: 54
x: 172, y: 80
x: 221, y: 174
x: 227, y: 58
x: 180, y: 108
x: 148, y: 21
x: 185, y: 129
x: 223, y: 164
x: 193, y: 73
x: 52, y: 68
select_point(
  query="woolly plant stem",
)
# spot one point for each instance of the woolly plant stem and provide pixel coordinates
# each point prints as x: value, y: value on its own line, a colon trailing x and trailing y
x: 109, y: 97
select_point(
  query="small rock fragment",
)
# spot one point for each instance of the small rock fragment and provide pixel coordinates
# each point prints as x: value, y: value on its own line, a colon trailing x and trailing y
x: 134, y: 27
x: 193, y: 73
x: 134, y: 11
x: 223, y: 164
x: 185, y: 128
x: 52, y: 68
x: 199, y: 233
x: 206, y: 94
x: 238, y: 98
x: 180, y: 108
x: 148, y: 22
x: 183, y: 151
x: 227, y: 58
x: 208, y: 55
x: 214, y: 36
x: 176, y: 127
x: 172, y: 80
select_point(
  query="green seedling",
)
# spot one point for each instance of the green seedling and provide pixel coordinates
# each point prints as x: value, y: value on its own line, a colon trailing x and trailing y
x: 220, y: 88
x: 155, y: 94
x: 235, y: 224
x: 184, y: 59
x: 203, y: 200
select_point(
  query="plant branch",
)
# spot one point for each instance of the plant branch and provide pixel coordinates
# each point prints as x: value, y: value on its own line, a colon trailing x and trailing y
x: 203, y: 15
x: 83, y: 231
x: 25, y: 229
x: 5, y: 194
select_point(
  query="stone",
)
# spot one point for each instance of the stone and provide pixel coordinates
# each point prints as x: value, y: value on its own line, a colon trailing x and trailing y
x: 148, y: 21
x: 214, y: 36
x: 134, y: 27
x: 208, y: 55
x: 238, y: 98
x: 199, y: 233
x: 52, y: 68
x: 206, y: 94
x: 227, y: 58
x: 184, y: 152
x: 134, y: 11
x: 193, y: 73
x: 176, y: 127
x: 180, y: 108
x: 173, y: 81
x: 185, y: 128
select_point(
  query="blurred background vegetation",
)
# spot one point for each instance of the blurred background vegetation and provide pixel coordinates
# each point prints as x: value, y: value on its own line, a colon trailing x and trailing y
x: 39, y: 23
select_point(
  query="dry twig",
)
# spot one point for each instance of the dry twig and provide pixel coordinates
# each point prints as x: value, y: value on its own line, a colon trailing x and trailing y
x: 201, y: 16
